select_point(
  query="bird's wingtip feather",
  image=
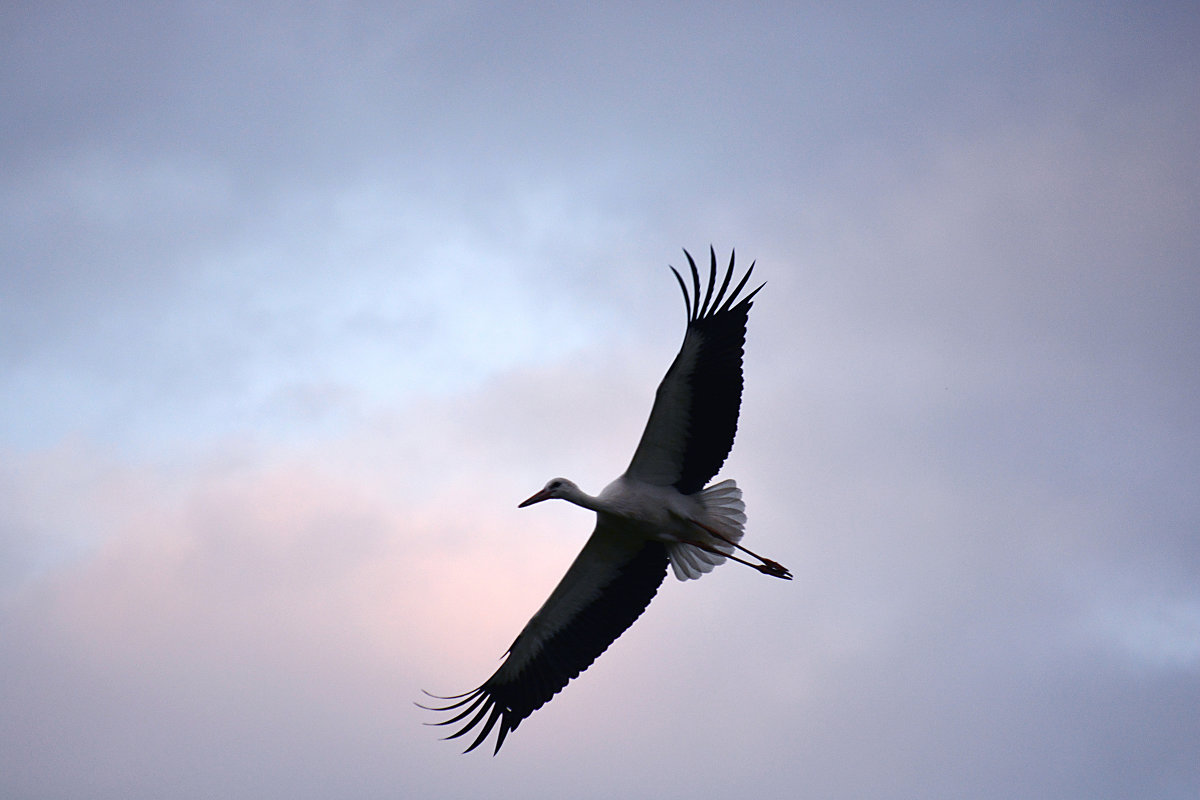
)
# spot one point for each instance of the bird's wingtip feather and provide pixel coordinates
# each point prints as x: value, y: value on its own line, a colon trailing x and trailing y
x: 687, y: 302
x: 695, y: 304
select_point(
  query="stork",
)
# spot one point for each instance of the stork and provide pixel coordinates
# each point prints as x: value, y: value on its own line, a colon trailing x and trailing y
x: 657, y: 513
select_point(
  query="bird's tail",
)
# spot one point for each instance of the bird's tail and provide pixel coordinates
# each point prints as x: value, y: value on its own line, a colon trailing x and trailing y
x: 724, y: 513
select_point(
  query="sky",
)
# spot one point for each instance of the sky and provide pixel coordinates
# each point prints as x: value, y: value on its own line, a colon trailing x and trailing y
x: 298, y: 301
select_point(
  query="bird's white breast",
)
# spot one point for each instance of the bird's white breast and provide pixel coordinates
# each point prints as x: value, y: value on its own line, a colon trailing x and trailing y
x: 648, y: 510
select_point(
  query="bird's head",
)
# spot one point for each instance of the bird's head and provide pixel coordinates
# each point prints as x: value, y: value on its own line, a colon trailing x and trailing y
x: 555, y: 488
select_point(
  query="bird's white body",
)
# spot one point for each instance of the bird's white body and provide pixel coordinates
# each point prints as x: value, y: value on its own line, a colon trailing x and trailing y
x: 660, y: 511
x: 650, y: 512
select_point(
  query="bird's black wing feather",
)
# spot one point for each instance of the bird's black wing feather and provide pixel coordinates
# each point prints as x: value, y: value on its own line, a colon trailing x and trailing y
x: 694, y: 419
x: 607, y: 587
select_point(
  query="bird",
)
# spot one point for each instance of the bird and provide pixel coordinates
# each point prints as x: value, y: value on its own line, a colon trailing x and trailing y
x: 659, y: 512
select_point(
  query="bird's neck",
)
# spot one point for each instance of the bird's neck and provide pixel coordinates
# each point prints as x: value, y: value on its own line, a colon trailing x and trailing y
x: 582, y: 498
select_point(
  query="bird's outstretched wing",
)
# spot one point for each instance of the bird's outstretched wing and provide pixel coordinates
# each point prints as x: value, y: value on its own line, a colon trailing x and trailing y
x: 695, y: 414
x: 607, y: 587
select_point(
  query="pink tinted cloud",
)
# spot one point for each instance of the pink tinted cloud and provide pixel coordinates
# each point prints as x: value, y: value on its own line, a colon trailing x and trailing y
x: 250, y: 600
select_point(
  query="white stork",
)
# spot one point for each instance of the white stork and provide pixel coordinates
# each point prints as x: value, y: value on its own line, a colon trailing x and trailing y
x: 658, y: 512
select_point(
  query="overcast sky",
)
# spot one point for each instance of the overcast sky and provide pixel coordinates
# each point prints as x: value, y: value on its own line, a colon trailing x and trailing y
x: 296, y: 304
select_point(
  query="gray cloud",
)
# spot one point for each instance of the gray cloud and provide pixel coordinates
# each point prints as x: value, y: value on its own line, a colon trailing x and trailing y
x: 296, y: 306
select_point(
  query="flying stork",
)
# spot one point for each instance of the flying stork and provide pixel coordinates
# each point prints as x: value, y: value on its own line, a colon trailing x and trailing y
x: 658, y: 513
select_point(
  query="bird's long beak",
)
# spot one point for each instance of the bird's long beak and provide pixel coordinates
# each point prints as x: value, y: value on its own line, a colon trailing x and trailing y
x: 537, y: 498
